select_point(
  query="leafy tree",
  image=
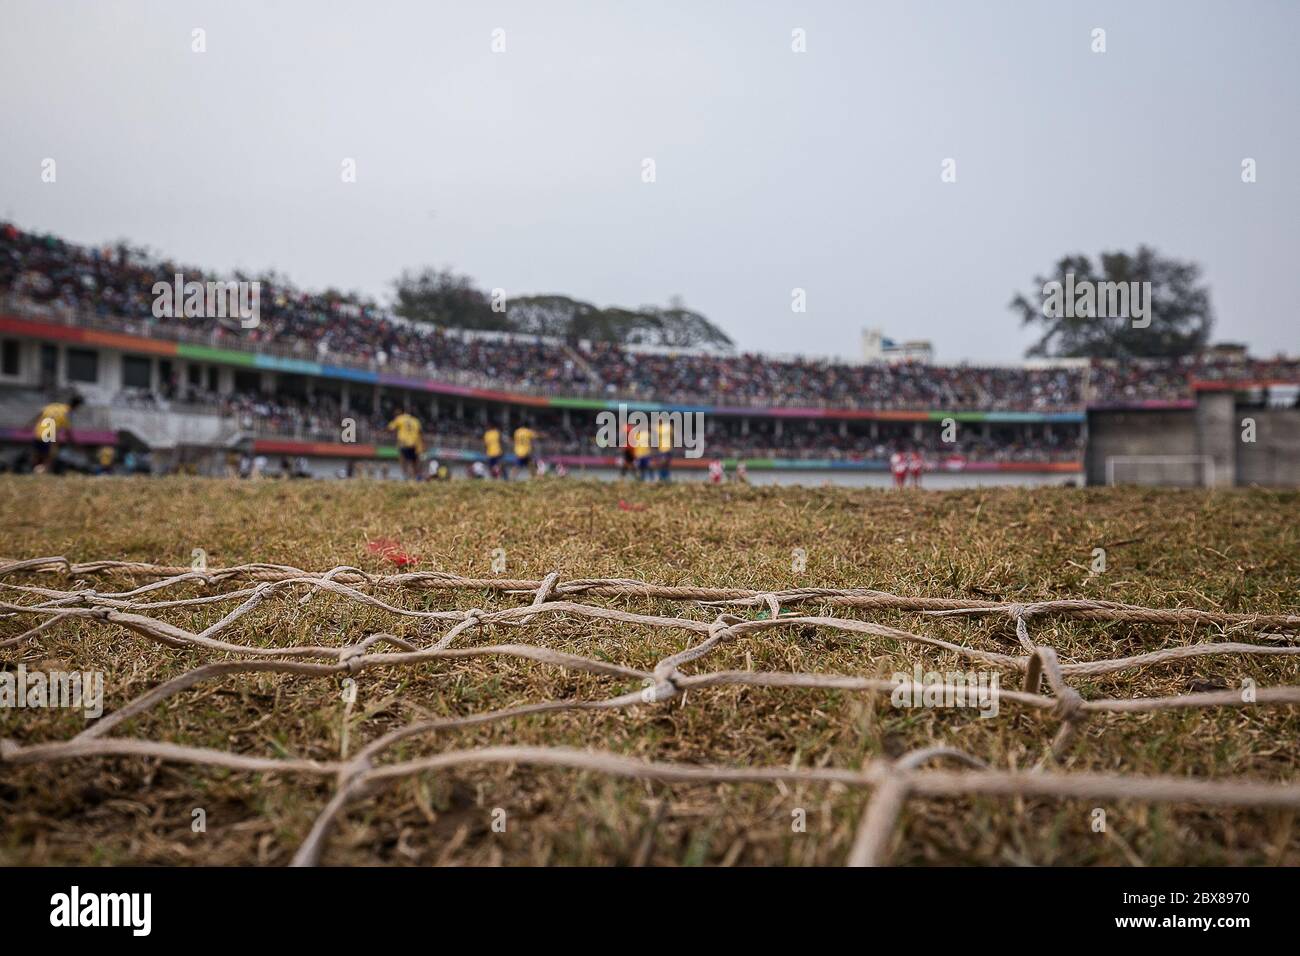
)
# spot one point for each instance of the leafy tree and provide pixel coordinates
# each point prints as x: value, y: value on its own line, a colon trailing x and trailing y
x: 1179, y: 309
x: 446, y: 299
x: 648, y: 325
x: 680, y: 327
x: 553, y: 315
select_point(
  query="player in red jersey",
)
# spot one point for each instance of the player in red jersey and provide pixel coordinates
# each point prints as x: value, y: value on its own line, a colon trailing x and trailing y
x: 915, y: 466
x: 898, y: 465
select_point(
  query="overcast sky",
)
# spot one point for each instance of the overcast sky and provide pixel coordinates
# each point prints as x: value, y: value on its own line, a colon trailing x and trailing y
x: 774, y: 169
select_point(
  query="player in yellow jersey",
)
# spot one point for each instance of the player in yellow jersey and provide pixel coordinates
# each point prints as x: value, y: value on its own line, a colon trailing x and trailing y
x: 410, y: 443
x: 105, y: 457
x: 492, y: 449
x: 52, y: 423
x: 665, y: 449
x: 524, y: 438
x: 641, y: 451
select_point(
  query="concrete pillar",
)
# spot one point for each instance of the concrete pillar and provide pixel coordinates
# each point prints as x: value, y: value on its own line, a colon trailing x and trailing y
x: 1217, y: 435
x: 110, y: 371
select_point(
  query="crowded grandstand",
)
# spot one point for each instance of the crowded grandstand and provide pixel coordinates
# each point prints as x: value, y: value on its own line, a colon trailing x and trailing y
x: 83, y: 319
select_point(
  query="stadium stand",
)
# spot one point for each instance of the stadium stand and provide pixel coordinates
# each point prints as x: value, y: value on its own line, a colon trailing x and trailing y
x: 797, y: 410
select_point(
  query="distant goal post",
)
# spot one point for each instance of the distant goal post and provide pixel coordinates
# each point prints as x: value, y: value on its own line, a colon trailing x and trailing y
x: 1180, y: 471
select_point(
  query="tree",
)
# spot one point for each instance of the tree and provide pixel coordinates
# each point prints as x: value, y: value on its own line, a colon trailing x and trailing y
x: 552, y: 315
x: 648, y: 325
x: 1089, y: 325
x: 446, y: 299
x: 679, y: 327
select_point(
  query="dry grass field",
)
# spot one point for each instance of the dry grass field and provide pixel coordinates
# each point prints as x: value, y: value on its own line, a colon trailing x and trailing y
x: 1231, y: 551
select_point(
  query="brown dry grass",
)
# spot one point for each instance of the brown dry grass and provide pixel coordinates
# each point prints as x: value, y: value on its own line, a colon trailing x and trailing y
x: 1232, y: 551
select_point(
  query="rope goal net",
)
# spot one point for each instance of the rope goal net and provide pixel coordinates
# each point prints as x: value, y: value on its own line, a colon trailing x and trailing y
x: 43, y: 592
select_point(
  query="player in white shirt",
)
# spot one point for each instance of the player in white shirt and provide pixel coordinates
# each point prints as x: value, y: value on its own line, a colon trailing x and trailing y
x: 915, y: 466
x: 898, y: 465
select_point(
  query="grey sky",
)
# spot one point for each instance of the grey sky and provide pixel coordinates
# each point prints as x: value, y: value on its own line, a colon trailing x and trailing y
x: 775, y: 170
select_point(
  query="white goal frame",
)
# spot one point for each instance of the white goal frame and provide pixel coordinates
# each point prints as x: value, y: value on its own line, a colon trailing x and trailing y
x: 1206, y: 461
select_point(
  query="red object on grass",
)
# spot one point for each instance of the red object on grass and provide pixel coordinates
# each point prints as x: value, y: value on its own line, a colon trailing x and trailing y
x: 627, y: 507
x: 390, y: 550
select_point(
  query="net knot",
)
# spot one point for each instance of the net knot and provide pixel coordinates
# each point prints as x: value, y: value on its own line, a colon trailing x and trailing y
x: 721, y: 628
x: 667, y: 674
x: 1068, y: 704
x: 546, y: 589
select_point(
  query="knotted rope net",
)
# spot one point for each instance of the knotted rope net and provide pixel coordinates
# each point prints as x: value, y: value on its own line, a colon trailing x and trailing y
x: 1045, y: 679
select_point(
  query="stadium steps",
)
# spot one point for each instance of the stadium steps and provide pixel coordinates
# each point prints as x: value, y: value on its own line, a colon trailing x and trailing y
x: 165, y: 428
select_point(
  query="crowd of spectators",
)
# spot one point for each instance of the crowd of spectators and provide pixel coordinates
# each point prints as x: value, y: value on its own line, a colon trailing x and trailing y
x: 115, y: 285
x: 286, y: 416
x: 1125, y: 381
x: 753, y: 380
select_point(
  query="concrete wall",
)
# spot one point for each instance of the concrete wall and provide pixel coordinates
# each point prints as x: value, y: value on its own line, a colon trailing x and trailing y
x: 1213, y: 430
x: 1217, y: 436
x: 1138, y: 433
x: 1274, y: 457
